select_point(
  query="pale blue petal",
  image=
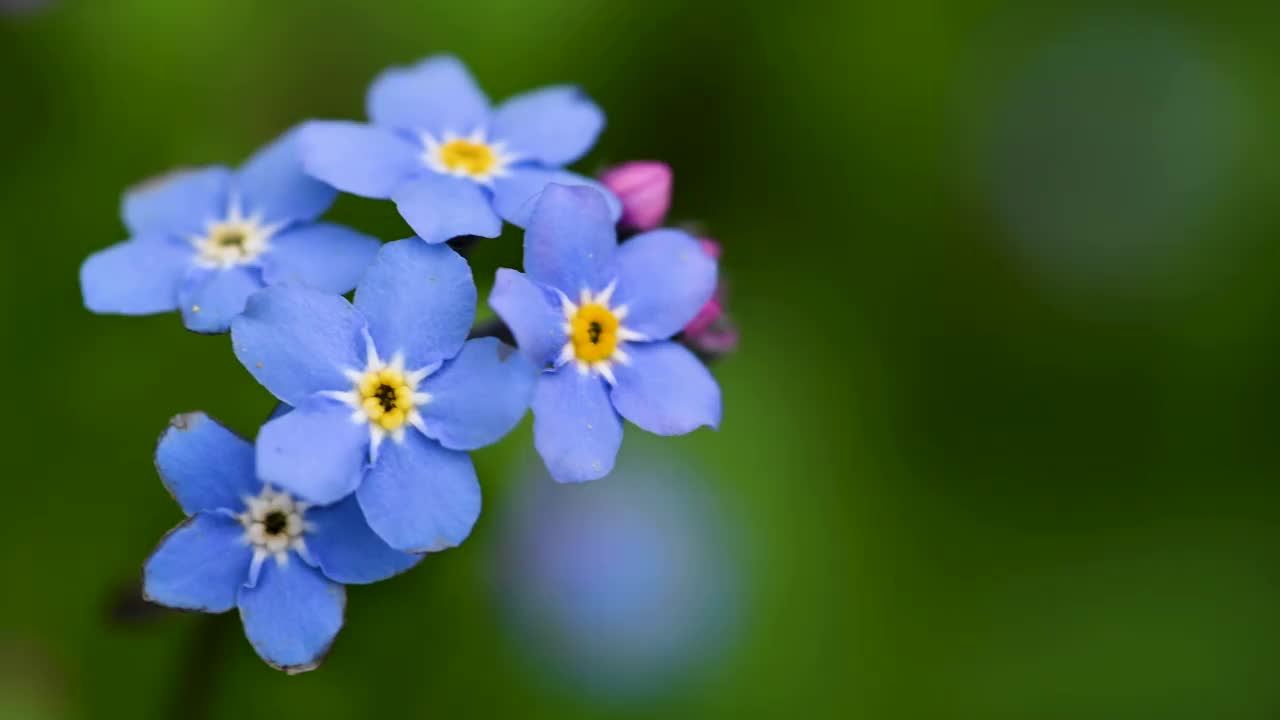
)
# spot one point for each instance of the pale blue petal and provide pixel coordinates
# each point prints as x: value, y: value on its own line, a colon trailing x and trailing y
x: 553, y: 126
x: 664, y: 279
x: 204, y: 465
x: 666, y: 390
x: 419, y: 300
x: 297, y: 341
x: 420, y: 497
x: 441, y: 207
x: 178, y: 204
x: 479, y: 396
x: 317, y: 452
x: 347, y: 550
x: 532, y: 313
x: 571, y: 242
x: 324, y: 256
x: 575, y: 428
x: 273, y: 186
x: 138, y: 277
x: 199, y: 565
x: 357, y: 158
x: 211, y: 298
x: 437, y: 95
x: 292, y: 615
x: 515, y: 195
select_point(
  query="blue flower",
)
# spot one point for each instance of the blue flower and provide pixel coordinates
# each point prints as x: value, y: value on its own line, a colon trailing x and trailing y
x: 626, y: 586
x: 281, y: 561
x: 598, y: 317
x: 453, y: 165
x: 205, y: 240
x: 388, y: 394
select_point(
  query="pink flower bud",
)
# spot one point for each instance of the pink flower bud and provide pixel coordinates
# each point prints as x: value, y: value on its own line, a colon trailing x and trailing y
x: 644, y: 187
x: 711, y: 332
x: 710, y: 247
x: 707, y: 316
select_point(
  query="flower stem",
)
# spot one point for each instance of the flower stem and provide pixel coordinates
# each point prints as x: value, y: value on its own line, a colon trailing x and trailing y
x: 203, y: 663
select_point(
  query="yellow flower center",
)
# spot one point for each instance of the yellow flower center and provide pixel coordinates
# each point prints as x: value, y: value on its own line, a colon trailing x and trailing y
x: 471, y: 158
x: 594, y: 333
x: 232, y: 242
x: 230, y: 238
x: 386, y: 397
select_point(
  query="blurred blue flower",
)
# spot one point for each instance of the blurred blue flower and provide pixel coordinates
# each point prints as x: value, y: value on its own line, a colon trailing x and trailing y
x: 205, y: 240
x: 452, y: 165
x: 622, y: 588
x: 388, y: 394
x: 598, y: 317
x: 281, y: 561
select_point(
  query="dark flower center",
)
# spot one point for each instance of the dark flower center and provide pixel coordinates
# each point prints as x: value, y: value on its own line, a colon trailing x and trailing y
x: 593, y: 332
x: 386, y: 396
x: 232, y: 238
x: 275, y: 522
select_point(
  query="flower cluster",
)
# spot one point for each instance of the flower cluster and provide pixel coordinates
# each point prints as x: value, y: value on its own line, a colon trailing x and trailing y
x: 365, y: 465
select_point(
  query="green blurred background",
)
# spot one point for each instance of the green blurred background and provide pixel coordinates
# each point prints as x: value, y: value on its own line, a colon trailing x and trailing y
x: 999, y: 441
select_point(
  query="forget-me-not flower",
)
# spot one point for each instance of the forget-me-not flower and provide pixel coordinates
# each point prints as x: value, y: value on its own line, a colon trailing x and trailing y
x: 621, y: 587
x: 388, y: 394
x: 453, y: 165
x: 598, y: 317
x: 281, y: 561
x: 204, y: 240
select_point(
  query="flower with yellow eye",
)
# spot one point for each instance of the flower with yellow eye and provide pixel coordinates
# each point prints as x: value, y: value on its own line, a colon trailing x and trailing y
x: 205, y: 240
x: 388, y: 394
x: 595, y: 333
x: 453, y: 164
x: 385, y: 396
x: 233, y: 240
x: 609, y: 353
x: 471, y: 157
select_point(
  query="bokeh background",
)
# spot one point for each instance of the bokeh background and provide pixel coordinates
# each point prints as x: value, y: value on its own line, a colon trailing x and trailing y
x: 999, y: 441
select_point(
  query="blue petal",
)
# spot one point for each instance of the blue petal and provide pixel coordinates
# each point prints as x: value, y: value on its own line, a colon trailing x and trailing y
x: 479, y: 396
x: 666, y: 390
x: 273, y: 185
x: 178, y: 204
x: 347, y: 549
x: 138, y: 277
x: 419, y: 300
x: 211, y: 298
x: 571, y: 243
x: 204, y: 465
x: 553, y: 126
x: 575, y: 428
x: 664, y: 279
x: 440, y: 207
x: 437, y: 95
x: 326, y: 257
x: 516, y: 195
x: 532, y: 313
x: 199, y: 565
x: 420, y: 497
x: 317, y: 451
x: 357, y: 158
x: 296, y: 341
x: 292, y: 615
